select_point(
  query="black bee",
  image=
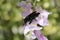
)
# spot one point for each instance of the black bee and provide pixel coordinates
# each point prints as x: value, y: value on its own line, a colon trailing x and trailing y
x: 30, y: 17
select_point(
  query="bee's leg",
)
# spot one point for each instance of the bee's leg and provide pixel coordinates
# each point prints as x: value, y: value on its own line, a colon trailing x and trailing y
x: 30, y: 22
x: 39, y: 25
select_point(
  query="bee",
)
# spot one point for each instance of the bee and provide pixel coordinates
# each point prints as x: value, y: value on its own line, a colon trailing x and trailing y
x: 31, y: 17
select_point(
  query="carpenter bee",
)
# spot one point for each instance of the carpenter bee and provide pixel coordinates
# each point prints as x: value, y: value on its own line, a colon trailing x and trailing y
x: 31, y: 17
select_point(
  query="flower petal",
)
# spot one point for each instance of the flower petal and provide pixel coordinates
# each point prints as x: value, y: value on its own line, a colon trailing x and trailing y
x: 26, y: 29
x: 39, y: 35
x: 33, y: 35
x: 44, y: 14
x: 26, y: 8
x: 42, y: 19
x: 22, y: 4
x: 29, y: 30
x: 43, y: 22
x: 26, y: 12
x: 35, y: 28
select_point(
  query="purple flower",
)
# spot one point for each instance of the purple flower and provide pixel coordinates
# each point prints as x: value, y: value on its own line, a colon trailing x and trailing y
x: 43, y: 22
x: 44, y: 14
x: 24, y: 4
x: 42, y: 19
x: 29, y: 30
x: 39, y: 35
x: 32, y: 30
x: 26, y: 8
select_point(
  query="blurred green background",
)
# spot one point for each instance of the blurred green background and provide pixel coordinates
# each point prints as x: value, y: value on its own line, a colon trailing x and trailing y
x: 11, y: 21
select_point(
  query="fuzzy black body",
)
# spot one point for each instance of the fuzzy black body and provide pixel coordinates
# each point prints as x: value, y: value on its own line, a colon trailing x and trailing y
x: 30, y: 17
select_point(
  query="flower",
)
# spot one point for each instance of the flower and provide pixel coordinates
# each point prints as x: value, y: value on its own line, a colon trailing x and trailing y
x: 26, y: 8
x: 44, y: 14
x: 32, y: 30
x: 29, y: 30
x: 40, y: 35
x: 42, y: 22
x: 42, y: 19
